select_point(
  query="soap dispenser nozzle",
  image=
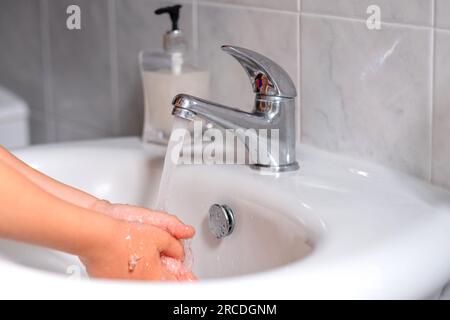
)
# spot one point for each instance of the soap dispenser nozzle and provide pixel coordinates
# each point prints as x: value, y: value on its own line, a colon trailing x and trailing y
x: 173, y: 12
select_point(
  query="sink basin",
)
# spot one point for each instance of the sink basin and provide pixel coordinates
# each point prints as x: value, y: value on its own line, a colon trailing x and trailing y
x: 338, y: 228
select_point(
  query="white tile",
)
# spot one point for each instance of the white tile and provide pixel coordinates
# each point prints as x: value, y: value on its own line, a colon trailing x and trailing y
x: 367, y: 93
x: 400, y: 11
x: 21, y: 53
x: 441, y: 119
x: 443, y: 14
x: 138, y: 28
x: 80, y: 64
x: 274, y: 35
x: 289, y: 5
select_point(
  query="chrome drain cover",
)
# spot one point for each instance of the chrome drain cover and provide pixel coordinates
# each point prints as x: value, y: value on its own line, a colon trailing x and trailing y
x: 221, y: 220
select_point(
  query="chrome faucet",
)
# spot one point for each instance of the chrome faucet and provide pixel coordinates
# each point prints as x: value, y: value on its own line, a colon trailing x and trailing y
x: 274, y: 110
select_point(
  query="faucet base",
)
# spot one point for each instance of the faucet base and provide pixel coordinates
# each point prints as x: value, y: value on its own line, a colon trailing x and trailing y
x: 271, y: 169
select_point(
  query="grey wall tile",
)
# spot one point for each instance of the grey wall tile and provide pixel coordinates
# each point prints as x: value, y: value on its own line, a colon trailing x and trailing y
x: 272, y: 34
x: 139, y: 29
x: 68, y: 130
x: 443, y: 14
x: 441, y: 119
x: 80, y: 64
x: 367, y: 93
x: 401, y: 11
x: 21, y: 53
x: 290, y: 5
x: 39, y: 122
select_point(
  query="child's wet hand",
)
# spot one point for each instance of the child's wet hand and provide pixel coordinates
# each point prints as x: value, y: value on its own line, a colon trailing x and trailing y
x: 162, y: 220
x: 135, y: 252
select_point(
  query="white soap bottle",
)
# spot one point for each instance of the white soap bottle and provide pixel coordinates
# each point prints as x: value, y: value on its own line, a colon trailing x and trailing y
x: 166, y: 74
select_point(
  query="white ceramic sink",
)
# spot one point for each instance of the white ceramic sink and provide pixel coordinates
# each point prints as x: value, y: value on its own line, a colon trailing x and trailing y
x: 338, y: 228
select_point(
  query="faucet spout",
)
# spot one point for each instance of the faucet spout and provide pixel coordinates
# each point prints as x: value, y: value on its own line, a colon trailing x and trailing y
x: 271, y: 122
x: 187, y: 107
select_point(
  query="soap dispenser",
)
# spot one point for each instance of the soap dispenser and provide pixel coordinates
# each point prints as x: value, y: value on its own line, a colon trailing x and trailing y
x: 166, y: 74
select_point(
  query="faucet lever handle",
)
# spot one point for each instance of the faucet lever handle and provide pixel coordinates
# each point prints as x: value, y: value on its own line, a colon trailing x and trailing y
x: 266, y: 76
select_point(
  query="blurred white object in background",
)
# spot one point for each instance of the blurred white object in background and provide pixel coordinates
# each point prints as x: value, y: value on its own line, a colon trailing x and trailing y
x: 14, y: 127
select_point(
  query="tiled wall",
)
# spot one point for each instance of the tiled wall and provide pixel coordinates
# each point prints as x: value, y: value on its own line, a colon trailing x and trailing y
x: 381, y: 95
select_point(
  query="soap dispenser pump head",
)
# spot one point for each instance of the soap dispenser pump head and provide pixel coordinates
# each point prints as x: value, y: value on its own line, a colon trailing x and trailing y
x: 173, y: 40
x: 173, y: 12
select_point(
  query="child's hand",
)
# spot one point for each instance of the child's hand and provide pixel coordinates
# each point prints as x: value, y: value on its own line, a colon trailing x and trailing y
x: 133, y: 251
x: 172, y: 267
x: 130, y: 213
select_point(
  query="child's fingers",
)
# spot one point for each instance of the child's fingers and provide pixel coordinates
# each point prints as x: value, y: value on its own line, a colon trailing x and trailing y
x: 171, y: 224
x: 167, y: 276
x: 188, y: 276
x: 171, y: 247
x: 162, y: 220
x: 177, y: 269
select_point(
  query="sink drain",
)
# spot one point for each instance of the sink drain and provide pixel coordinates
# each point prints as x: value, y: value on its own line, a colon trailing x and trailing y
x: 221, y: 220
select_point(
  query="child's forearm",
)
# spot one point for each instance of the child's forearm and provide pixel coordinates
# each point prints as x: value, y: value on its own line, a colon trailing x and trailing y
x: 30, y: 214
x: 50, y: 185
x: 89, y: 202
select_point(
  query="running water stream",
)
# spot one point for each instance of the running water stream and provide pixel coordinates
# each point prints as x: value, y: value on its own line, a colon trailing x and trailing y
x: 179, y: 129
